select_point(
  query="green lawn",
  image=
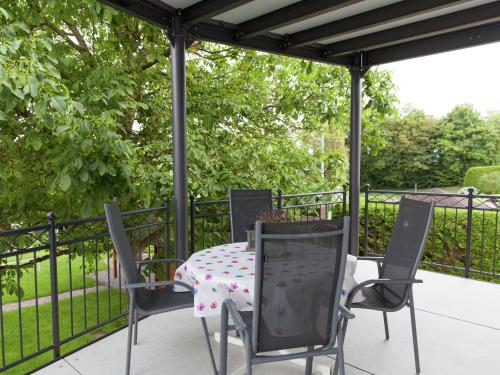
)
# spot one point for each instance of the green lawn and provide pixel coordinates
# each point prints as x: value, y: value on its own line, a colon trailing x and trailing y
x: 27, y: 279
x: 109, y: 306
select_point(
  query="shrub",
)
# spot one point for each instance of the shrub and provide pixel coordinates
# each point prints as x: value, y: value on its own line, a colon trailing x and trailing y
x: 447, y: 239
x: 489, y: 183
x: 473, y: 174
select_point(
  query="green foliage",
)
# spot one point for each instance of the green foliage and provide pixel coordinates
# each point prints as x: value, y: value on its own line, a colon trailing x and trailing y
x: 408, y: 156
x: 446, y: 243
x: 489, y: 183
x: 85, y: 114
x: 428, y: 152
x: 473, y: 174
x: 463, y: 140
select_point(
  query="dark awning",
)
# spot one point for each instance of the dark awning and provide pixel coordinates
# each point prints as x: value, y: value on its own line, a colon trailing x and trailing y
x: 331, y: 31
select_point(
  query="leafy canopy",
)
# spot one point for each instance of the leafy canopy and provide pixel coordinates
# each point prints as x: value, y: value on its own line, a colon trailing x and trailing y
x: 85, y: 114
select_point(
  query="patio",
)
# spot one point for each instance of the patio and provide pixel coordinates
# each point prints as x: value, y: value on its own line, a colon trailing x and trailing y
x: 457, y: 319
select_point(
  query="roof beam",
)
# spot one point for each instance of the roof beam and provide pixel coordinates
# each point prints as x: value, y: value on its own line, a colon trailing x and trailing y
x: 467, y: 18
x: 207, y: 9
x: 153, y: 11
x: 285, y: 16
x: 442, y: 43
x: 376, y: 17
x: 215, y: 33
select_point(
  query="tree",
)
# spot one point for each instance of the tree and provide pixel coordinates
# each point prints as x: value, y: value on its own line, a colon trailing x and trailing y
x: 463, y: 140
x: 408, y: 157
x: 85, y: 114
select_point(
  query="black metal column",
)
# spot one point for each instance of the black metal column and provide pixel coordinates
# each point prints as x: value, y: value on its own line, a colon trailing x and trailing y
x: 178, y: 61
x: 355, y: 156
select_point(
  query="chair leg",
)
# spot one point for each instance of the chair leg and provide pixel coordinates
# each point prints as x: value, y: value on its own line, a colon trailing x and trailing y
x: 129, y: 336
x: 309, y: 362
x: 223, y: 341
x: 136, y: 326
x: 339, y: 361
x: 414, y: 332
x: 207, y: 338
x: 248, y: 353
x: 386, y: 326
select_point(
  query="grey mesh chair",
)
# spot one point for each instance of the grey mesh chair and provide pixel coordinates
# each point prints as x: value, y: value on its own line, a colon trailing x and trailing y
x: 393, y: 290
x: 245, y: 205
x: 142, y: 299
x: 299, y: 274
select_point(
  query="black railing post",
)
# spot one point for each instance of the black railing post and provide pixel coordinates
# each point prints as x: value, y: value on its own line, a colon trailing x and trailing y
x: 367, y: 192
x: 167, y: 234
x: 192, y: 202
x: 468, y: 243
x: 280, y: 199
x: 54, y: 295
x: 344, y: 199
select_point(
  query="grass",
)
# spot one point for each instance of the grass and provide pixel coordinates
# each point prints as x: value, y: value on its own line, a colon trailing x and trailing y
x: 109, y: 306
x: 42, y: 274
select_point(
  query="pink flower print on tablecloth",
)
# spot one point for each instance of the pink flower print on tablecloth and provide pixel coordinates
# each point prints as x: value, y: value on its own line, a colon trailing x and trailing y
x: 208, y: 276
x: 213, y: 305
x: 233, y: 285
x: 178, y: 275
x: 246, y: 291
x: 200, y: 307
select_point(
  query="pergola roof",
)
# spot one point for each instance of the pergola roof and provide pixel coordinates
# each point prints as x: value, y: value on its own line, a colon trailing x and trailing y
x: 330, y: 31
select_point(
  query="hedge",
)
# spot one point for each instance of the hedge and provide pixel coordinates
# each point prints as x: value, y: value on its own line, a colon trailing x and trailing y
x: 447, y: 240
x: 473, y: 174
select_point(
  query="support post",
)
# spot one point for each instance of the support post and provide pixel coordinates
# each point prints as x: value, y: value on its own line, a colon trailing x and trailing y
x: 468, y: 243
x: 54, y: 295
x: 192, y: 214
x: 178, y: 60
x: 357, y: 71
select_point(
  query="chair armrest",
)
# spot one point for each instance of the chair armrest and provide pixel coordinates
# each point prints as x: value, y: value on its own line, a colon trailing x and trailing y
x: 235, y: 314
x: 167, y: 260
x: 364, y: 284
x: 158, y: 283
x: 376, y: 258
x: 140, y: 263
x: 345, y: 312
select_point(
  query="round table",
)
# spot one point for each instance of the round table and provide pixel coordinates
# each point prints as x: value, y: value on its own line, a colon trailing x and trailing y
x: 228, y: 271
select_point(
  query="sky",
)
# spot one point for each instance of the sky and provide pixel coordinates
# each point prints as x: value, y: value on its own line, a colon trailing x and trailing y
x: 439, y: 82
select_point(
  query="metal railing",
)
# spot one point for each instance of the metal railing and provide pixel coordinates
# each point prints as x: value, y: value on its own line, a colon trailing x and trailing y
x: 210, y: 223
x: 61, y: 284
x: 62, y: 287
x: 464, y: 237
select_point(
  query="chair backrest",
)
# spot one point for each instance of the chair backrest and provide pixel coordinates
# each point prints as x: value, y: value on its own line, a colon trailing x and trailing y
x: 121, y: 242
x: 406, y: 247
x: 299, y: 274
x: 245, y: 205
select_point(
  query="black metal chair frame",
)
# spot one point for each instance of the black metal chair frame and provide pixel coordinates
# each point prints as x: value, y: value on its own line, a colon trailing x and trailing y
x: 249, y: 336
x: 116, y: 230
x: 408, y: 299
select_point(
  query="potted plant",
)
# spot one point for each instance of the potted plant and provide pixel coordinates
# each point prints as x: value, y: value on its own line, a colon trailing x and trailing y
x: 266, y: 216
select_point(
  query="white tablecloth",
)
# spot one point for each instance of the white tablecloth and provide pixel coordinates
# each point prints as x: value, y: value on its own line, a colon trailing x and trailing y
x: 228, y: 271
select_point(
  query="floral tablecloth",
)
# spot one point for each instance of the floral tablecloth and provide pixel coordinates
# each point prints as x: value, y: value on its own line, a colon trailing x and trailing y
x: 228, y: 271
